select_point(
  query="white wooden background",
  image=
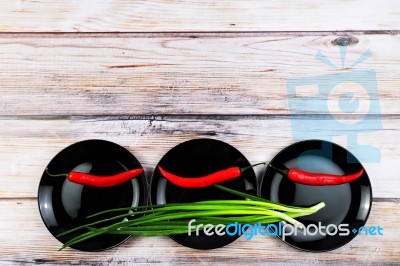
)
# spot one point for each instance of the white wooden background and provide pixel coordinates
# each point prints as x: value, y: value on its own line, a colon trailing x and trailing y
x: 151, y: 74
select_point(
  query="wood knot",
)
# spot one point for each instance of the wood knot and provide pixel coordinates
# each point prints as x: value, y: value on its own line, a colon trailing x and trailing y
x: 345, y: 41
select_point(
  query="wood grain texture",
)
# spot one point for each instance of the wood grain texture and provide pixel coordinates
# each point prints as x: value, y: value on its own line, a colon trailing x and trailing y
x: 34, y: 244
x: 184, y: 15
x: 133, y: 75
x: 30, y: 144
x: 149, y: 75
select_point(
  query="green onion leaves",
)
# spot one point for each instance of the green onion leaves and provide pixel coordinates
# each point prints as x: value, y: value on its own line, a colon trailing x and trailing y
x: 170, y: 219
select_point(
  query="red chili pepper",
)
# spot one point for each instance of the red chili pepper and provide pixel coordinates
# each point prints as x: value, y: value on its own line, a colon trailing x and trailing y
x: 205, y: 181
x: 317, y: 179
x: 100, y: 181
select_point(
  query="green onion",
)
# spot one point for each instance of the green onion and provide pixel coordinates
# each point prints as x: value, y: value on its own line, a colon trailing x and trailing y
x: 170, y: 219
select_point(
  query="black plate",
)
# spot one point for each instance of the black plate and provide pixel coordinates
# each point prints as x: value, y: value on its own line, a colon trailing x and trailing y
x: 345, y: 204
x: 64, y: 205
x: 196, y: 158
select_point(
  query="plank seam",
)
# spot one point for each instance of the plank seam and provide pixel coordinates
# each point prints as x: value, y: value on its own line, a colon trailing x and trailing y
x: 380, y: 199
x: 163, y: 117
x: 198, y: 34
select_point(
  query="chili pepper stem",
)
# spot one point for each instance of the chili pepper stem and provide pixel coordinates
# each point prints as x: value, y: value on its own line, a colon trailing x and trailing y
x: 251, y: 166
x: 281, y: 171
x: 58, y: 175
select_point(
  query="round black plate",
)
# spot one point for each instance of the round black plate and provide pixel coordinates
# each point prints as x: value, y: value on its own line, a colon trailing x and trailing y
x: 64, y: 205
x: 345, y: 204
x: 197, y: 158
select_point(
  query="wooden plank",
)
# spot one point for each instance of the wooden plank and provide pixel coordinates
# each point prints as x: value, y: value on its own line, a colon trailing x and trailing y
x: 133, y: 75
x: 184, y: 15
x: 28, y: 145
x: 34, y: 244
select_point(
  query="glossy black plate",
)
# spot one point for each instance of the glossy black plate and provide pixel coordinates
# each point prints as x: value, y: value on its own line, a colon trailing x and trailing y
x: 345, y: 204
x: 64, y: 205
x: 195, y: 158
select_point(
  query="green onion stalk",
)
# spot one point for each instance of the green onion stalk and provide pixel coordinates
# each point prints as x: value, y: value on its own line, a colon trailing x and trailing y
x: 171, y: 219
